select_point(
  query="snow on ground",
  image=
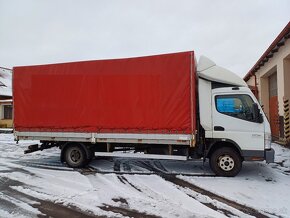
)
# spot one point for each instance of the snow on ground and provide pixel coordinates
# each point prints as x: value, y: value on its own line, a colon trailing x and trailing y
x: 38, y: 183
x: 265, y: 187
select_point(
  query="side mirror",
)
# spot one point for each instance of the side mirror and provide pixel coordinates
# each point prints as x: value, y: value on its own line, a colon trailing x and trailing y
x: 258, y: 117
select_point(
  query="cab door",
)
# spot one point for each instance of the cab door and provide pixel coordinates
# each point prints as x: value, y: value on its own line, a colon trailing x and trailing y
x: 233, y: 119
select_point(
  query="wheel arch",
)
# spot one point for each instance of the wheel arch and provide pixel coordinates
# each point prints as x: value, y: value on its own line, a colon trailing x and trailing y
x: 222, y: 143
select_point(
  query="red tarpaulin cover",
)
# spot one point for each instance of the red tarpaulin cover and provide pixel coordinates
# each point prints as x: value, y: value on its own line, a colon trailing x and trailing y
x: 154, y: 94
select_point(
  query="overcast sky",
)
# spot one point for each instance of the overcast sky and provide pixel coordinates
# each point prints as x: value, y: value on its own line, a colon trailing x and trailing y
x: 232, y: 33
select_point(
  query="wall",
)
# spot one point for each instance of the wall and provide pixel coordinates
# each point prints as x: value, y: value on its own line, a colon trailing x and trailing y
x: 280, y: 64
x: 5, y: 123
x: 276, y: 63
x: 287, y: 76
x: 251, y: 81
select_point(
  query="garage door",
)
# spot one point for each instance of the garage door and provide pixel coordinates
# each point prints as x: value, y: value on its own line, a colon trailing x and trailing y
x: 273, y: 105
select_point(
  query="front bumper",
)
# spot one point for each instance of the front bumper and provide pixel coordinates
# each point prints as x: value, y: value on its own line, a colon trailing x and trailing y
x: 269, y: 155
x: 259, y: 155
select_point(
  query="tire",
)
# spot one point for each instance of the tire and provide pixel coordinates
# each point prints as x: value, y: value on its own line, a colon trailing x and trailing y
x: 75, y: 156
x: 225, y: 162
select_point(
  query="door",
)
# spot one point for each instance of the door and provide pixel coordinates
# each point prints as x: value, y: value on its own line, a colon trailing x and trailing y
x: 233, y: 119
x: 273, y: 105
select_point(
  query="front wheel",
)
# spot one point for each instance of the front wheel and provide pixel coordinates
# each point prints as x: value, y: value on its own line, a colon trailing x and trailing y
x: 225, y: 162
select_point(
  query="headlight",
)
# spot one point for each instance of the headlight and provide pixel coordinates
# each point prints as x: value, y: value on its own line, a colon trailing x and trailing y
x: 268, y: 140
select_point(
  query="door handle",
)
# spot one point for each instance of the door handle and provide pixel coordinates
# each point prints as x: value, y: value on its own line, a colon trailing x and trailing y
x: 218, y: 128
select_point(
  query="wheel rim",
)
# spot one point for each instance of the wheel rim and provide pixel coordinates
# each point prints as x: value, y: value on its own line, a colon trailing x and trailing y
x: 226, y: 163
x: 75, y: 156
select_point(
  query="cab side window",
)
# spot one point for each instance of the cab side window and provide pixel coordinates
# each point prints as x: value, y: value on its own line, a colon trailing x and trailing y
x: 238, y: 106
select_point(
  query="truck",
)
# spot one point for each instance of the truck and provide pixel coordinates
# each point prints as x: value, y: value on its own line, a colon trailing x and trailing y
x: 163, y: 106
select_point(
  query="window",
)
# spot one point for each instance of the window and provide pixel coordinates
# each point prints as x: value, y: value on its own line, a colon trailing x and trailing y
x: 238, y: 106
x: 7, y: 111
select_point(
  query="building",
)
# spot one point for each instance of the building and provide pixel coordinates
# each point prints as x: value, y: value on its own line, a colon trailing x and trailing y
x: 6, y: 98
x: 269, y: 79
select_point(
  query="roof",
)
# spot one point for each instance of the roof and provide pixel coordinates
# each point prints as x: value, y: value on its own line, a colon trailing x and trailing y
x: 5, y: 82
x: 273, y: 48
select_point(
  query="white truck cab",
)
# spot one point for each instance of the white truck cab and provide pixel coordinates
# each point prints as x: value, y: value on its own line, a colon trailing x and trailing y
x: 231, y: 115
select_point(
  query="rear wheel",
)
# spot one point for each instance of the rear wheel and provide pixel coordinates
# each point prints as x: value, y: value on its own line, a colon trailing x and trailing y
x: 75, y: 156
x: 225, y: 162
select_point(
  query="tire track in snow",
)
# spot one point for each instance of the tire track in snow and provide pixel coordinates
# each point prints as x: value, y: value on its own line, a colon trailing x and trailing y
x: 127, y: 166
x: 156, y: 168
x: 51, y: 209
x: 243, y: 208
x: 160, y: 170
x: 147, y: 168
x: 48, y: 163
x: 18, y: 203
x: 159, y: 165
x: 117, y: 165
x: 125, y: 181
x: 127, y: 212
x: 124, y: 208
